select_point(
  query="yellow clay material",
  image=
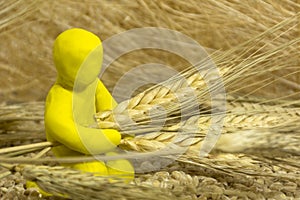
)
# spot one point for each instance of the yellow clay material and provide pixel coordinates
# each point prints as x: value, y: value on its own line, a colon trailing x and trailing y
x: 30, y: 184
x: 73, y: 100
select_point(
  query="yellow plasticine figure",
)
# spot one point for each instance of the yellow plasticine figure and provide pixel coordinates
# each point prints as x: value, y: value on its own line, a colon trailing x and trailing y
x: 74, y: 99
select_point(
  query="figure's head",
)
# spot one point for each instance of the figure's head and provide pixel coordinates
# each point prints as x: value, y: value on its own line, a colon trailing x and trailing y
x: 77, y: 50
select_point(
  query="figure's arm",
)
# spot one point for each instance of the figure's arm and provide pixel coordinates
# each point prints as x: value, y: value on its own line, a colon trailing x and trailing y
x: 104, y: 100
x: 83, y: 139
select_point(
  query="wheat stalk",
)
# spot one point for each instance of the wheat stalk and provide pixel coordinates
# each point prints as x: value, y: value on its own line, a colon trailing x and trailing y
x: 245, y: 172
x: 17, y: 120
x: 216, y: 25
x: 78, y: 185
x: 20, y: 9
x: 241, y: 170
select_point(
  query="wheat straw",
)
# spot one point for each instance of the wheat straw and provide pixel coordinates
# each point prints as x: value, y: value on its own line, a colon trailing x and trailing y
x: 77, y: 185
x: 244, y: 172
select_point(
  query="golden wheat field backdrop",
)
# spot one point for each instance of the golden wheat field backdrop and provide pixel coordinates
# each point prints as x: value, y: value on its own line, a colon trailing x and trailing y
x: 254, y: 44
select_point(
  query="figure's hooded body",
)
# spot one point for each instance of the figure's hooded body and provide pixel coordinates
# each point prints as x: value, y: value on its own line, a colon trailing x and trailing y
x: 71, y: 102
x: 74, y: 99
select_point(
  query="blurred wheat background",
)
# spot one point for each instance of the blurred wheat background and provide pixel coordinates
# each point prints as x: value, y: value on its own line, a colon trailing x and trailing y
x: 257, y: 171
x: 28, y: 29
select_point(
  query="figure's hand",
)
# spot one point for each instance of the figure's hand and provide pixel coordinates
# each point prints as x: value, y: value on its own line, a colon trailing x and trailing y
x: 83, y: 139
x: 61, y: 127
x: 113, y: 135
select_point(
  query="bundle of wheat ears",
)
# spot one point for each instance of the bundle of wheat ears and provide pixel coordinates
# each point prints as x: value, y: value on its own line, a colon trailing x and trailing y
x: 186, y: 143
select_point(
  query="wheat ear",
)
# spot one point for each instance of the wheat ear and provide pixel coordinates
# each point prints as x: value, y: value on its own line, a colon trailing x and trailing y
x: 79, y: 185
